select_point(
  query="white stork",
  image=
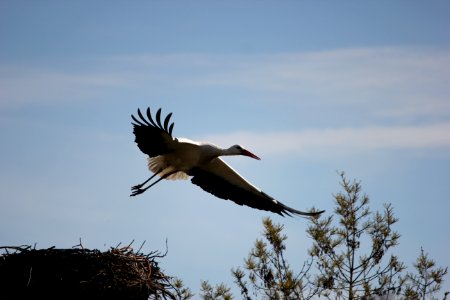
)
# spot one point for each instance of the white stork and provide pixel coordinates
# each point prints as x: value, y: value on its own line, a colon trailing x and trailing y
x: 173, y: 158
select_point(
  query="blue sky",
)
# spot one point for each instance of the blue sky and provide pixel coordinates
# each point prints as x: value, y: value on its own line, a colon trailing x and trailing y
x: 312, y: 87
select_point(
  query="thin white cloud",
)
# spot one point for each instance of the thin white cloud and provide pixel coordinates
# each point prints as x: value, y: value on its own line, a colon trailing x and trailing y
x: 341, y: 141
x: 22, y: 86
x: 391, y: 81
x: 388, y: 81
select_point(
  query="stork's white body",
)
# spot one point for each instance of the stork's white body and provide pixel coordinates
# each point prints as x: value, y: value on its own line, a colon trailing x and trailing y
x: 187, y: 155
x: 190, y: 154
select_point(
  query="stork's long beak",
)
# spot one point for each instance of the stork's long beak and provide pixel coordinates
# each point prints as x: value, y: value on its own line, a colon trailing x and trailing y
x: 248, y: 153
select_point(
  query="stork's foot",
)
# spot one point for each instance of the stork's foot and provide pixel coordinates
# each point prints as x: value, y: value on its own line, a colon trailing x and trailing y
x: 136, y: 191
x: 136, y: 187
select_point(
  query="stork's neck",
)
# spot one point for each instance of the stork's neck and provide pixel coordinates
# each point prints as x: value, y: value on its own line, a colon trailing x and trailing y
x: 213, y: 151
x: 229, y: 151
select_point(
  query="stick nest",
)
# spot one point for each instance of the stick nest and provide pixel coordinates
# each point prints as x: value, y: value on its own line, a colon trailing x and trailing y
x: 78, y: 273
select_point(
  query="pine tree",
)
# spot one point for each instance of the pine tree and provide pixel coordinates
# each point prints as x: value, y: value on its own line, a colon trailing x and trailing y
x: 350, y: 259
x: 351, y: 254
x: 269, y: 273
x: 219, y: 292
x: 428, y: 279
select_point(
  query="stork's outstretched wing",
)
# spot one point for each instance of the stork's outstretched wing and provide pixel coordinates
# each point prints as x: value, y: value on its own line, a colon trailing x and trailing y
x: 219, y: 179
x: 153, y: 138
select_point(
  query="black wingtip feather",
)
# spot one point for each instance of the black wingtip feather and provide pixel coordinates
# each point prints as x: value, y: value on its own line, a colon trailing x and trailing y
x: 166, y: 121
x: 290, y: 212
x: 158, y: 118
x: 149, y: 116
x: 142, y: 117
x: 137, y: 121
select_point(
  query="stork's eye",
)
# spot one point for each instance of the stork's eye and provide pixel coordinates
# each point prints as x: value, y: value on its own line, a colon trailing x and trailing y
x: 238, y: 147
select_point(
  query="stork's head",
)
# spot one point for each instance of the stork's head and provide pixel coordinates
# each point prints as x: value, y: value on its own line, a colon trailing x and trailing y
x: 239, y: 150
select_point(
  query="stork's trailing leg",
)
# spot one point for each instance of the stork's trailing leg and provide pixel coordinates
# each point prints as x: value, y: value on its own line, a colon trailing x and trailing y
x: 139, y: 186
x: 137, y: 189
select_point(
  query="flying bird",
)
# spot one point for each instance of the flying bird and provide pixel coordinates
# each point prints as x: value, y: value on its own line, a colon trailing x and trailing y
x: 180, y: 158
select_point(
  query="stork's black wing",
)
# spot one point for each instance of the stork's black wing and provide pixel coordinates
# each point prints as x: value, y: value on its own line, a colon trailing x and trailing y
x: 153, y: 138
x: 219, y: 179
